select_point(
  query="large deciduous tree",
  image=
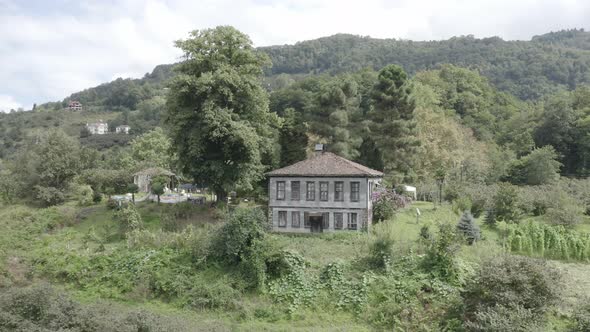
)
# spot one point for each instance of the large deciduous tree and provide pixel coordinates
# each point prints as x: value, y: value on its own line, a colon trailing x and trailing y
x: 152, y: 149
x: 393, y: 125
x: 218, y: 113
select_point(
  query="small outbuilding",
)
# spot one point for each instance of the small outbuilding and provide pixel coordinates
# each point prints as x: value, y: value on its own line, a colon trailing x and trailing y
x: 122, y: 129
x: 143, y: 179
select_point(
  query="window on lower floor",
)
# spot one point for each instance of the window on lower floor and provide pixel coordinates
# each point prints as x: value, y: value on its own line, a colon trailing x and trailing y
x: 306, y: 222
x: 282, y: 218
x: 295, y: 219
x: 352, y: 221
x: 326, y: 220
x: 338, y: 217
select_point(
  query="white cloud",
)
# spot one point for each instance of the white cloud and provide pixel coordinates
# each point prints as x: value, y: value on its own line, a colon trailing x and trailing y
x: 51, y: 49
x: 8, y: 103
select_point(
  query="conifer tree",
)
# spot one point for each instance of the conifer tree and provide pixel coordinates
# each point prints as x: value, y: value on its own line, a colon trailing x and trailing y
x: 468, y: 228
x: 292, y: 138
x: 393, y: 125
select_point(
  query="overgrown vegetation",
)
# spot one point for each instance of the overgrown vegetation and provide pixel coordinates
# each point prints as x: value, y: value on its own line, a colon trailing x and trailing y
x: 500, y: 189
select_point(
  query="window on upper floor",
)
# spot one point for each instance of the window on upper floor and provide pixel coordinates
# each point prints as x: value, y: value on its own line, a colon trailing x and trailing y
x: 338, y: 191
x: 310, y: 191
x: 280, y: 190
x: 295, y: 190
x: 354, y: 191
x: 323, y: 191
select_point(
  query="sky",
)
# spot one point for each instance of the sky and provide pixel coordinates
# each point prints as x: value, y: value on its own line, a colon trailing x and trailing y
x: 52, y: 48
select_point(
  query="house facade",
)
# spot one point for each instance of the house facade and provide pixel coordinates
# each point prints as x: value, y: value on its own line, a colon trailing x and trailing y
x: 325, y: 193
x: 98, y: 128
x: 75, y: 105
x: 122, y: 129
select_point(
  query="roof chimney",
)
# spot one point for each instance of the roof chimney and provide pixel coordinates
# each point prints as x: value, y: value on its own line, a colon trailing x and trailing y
x: 319, y: 148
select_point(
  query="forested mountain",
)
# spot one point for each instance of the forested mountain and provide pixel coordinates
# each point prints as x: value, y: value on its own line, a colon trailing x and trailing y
x: 527, y: 69
x: 461, y: 84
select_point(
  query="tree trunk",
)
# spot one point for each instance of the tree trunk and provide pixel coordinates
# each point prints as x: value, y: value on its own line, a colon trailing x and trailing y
x: 133, y: 198
x: 221, y: 195
x: 158, y: 199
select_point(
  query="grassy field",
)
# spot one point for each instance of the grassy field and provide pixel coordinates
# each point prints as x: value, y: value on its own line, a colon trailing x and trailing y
x: 24, y: 232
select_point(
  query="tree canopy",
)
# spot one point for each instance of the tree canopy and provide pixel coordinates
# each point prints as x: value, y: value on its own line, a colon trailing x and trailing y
x: 217, y: 110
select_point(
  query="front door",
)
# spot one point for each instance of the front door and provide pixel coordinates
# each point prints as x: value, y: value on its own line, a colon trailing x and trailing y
x: 316, y: 224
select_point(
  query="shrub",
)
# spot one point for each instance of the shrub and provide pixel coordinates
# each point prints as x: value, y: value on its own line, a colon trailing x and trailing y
x: 96, y: 197
x: 294, y: 287
x: 506, y: 204
x: 566, y: 216
x: 380, y: 251
x: 451, y: 193
x: 425, y: 233
x: 461, y: 205
x: 522, y: 284
x: 441, y: 253
x: 211, y: 294
x: 41, y: 308
x: 85, y: 195
x: 481, y: 198
x: 501, y: 318
x: 241, y: 242
x: 386, y: 203
x: 581, y: 319
x: 112, y: 204
x: 49, y: 196
x: 468, y: 228
x: 129, y: 219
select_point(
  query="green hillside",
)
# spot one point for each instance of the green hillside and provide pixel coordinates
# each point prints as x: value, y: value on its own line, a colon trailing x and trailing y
x: 494, y: 136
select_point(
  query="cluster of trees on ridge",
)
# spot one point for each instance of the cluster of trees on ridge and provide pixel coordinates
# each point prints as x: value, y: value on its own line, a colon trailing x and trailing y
x: 449, y: 121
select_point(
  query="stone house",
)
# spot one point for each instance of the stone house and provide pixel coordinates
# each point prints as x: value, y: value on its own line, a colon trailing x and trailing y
x: 98, y: 128
x: 325, y: 193
x: 143, y: 179
x: 122, y: 129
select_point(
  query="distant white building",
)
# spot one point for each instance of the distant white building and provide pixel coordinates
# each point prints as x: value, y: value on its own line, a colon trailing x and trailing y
x: 98, y: 128
x: 122, y: 129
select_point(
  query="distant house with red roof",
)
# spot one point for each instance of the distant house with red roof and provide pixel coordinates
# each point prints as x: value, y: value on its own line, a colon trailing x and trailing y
x: 75, y: 105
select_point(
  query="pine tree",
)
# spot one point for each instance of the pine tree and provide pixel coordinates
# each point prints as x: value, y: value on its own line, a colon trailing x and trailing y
x: 393, y: 125
x: 370, y: 155
x: 468, y: 228
x: 490, y: 218
x: 292, y: 138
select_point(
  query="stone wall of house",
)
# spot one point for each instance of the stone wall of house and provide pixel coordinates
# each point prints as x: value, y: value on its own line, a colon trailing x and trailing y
x: 362, y: 203
x: 362, y: 215
x: 362, y: 207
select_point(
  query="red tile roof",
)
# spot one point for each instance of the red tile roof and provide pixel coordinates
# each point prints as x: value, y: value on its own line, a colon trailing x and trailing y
x: 326, y: 164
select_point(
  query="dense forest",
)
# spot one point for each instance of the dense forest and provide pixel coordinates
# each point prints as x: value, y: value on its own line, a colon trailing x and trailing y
x: 494, y: 134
